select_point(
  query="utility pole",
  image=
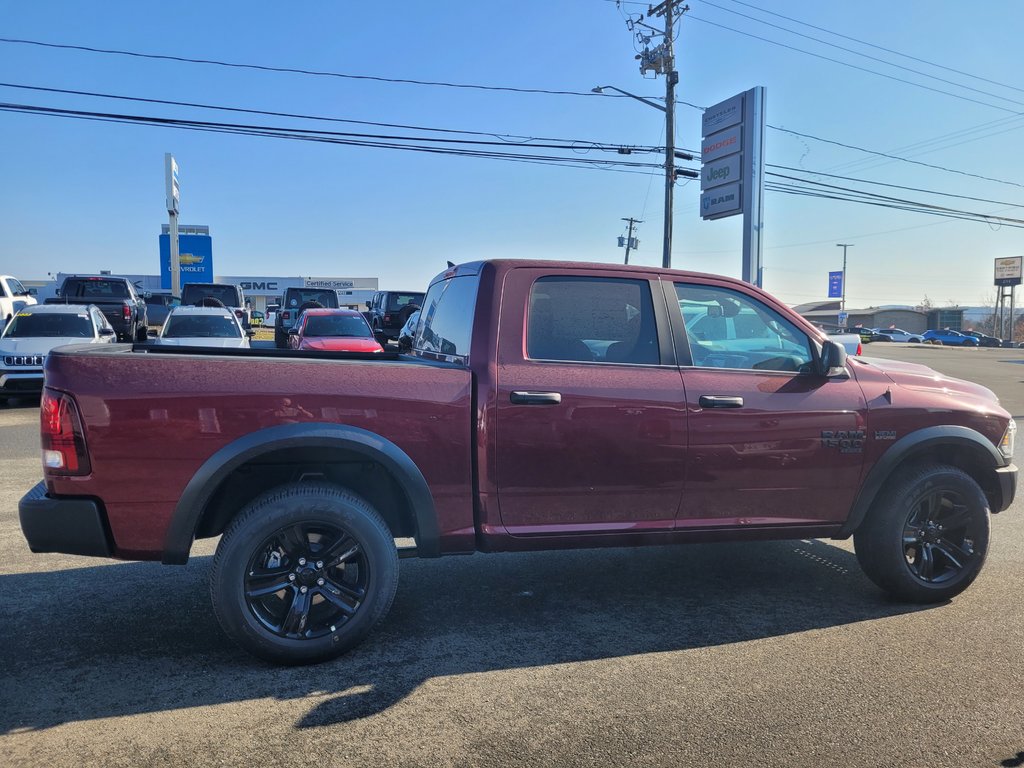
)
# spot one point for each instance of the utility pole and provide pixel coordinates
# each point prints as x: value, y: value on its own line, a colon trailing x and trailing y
x: 629, y: 236
x: 668, y: 64
x: 842, y: 301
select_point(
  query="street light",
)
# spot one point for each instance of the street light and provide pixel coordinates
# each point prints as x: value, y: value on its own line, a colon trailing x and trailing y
x: 669, y: 108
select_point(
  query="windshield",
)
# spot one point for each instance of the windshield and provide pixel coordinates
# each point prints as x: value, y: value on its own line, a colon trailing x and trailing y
x: 49, y: 325
x: 227, y: 295
x: 296, y: 297
x: 201, y: 326
x: 336, y: 325
x: 96, y: 288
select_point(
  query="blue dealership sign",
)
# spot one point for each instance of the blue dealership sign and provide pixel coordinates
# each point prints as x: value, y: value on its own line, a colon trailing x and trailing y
x: 195, y: 257
x: 835, y: 285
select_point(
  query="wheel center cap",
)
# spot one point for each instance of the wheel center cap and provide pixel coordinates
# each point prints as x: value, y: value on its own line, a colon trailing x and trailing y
x: 306, y: 576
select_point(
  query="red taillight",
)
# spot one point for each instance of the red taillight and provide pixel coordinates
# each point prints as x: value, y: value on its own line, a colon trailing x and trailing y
x: 286, y: 315
x: 127, y: 312
x: 860, y: 349
x: 62, y: 437
x: 387, y: 318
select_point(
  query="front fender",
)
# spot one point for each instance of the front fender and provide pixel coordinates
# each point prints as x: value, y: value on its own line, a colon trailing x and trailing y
x: 914, y: 444
x: 200, y: 489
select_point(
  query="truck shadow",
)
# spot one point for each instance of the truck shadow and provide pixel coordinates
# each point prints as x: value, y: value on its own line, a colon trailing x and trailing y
x: 127, y: 638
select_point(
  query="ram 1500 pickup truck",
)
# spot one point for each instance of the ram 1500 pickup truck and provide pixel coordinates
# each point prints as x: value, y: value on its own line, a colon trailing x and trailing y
x: 543, y: 405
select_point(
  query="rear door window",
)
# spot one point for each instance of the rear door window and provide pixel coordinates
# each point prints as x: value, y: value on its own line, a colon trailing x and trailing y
x: 592, y: 320
x: 446, y: 320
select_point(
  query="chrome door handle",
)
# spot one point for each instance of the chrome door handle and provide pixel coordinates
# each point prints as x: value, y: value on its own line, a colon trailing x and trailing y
x: 718, y: 401
x: 535, y: 398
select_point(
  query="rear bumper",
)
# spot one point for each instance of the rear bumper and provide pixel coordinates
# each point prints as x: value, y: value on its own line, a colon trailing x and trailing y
x: 1007, y: 485
x: 73, y: 526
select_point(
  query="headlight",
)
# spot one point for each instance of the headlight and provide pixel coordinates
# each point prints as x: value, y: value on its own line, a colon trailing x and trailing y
x: 1009, y: 438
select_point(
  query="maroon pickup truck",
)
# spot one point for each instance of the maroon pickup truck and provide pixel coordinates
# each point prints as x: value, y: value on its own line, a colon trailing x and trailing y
x: 544, y: 405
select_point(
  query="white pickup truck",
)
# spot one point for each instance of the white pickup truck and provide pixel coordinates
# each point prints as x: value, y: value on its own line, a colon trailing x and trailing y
x: 850, y: 341
x: 13, y: 296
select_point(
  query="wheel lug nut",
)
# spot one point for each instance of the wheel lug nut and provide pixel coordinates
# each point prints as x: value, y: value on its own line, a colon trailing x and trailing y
x: 319, y: 582
x: 291, y: 577
x: 303, y: 590
x: 319, y: 563
x: 302, y: 561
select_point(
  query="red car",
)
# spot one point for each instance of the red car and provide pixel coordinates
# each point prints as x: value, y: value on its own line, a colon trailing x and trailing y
x: 333, y: 330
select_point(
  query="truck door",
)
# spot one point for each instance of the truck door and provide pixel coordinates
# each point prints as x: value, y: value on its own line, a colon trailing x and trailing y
x: 771, y: 441
x: 591, y: 418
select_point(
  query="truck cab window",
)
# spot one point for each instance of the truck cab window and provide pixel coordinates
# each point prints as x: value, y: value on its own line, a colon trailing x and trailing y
x: 728, y: 329
x: 592, y: 320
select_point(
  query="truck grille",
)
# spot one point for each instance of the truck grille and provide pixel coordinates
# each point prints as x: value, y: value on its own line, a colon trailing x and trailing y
x: 12, y: 360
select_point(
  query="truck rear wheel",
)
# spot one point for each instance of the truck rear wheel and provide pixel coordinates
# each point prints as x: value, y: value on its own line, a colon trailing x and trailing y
x: 304, y: 573
x: 926, y: 537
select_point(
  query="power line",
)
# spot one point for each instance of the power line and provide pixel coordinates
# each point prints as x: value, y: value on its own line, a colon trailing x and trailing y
x: 301, y: 71
x: 880, y: 47
x: 852, y: 66
x: 864, y: 55
x: 894, y: 186
x: 895, y: 157
x: 330, y: 137
x: 504, y: 139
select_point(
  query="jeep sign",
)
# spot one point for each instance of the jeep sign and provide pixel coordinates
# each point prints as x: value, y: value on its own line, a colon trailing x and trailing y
x: 720, y: 172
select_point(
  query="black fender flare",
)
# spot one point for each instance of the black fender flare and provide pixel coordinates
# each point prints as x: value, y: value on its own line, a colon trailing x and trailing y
x: 194, y: 499
x: 918, y: 442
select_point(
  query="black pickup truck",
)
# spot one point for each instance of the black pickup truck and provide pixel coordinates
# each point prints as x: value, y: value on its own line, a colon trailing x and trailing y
x: 116, y: 298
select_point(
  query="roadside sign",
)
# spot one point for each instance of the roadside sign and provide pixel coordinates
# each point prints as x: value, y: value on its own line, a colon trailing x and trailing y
x: 1008, y: 270
x: 719, y: 172
x: 721, y: 144
x: 843, y: 318
x: 835, y: 285
x: 722, y: 115
x: 721, y: 201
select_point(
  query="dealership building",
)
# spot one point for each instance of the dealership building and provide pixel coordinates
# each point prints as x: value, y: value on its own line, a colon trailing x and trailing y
x: 195, y: 257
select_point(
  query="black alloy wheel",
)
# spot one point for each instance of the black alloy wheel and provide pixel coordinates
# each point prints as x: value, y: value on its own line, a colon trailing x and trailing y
x: 926, y: 536
x: 939, y: 537
x: 306, y: 579
x: 303, y: 573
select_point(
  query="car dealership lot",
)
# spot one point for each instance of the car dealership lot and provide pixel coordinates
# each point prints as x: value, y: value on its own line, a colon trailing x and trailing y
x: 764, y: 654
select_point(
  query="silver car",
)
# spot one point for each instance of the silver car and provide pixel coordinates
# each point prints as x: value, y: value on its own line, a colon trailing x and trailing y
x: 34, y: 331
x: 203, y: 327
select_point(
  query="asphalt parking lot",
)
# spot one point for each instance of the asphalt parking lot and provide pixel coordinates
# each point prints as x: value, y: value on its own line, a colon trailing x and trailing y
x: 761, y: 654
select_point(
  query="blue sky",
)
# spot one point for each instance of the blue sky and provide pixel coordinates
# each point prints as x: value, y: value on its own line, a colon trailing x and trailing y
x: 86, y: 196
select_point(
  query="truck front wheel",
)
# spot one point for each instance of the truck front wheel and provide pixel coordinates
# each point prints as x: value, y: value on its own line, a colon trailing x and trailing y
x: 926, y: 537
x: 304, y: 573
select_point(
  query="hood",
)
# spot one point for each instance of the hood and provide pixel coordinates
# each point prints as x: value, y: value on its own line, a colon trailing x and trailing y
x: 342, y: 344
x: 202, y: 341
x: 921, y: 377
x: 38, y: 345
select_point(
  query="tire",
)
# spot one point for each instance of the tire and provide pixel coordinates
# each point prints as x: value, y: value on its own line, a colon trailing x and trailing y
x: 914, y: 340
x: 141, y: 333
x: 319, y: 611
x: 926, y: 537
x: 280, y: 339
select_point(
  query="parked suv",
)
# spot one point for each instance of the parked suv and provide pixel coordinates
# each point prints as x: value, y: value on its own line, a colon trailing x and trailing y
x: 896, y: 334
x: 13, y: 296
x: 949, y: 338
x: 294, y: 301
x: 390, y: 310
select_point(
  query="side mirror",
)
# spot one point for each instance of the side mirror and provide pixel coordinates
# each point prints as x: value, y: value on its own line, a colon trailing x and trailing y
x: 152, y: 333
x: 833, y: 359
x: 106, y: 331
x: 250, y: 333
